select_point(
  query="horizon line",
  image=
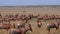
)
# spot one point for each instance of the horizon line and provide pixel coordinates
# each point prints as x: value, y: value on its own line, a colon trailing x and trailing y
x: 31, y: 5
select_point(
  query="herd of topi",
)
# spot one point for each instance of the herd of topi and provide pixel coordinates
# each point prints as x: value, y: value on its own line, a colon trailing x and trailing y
x: 24, y: 26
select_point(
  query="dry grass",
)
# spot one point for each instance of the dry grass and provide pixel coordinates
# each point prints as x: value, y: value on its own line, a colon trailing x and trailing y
x: 35, y: 28
x: 35, y: 11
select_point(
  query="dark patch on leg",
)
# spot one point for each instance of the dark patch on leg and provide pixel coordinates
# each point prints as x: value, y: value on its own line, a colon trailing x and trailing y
x: 39, y: 25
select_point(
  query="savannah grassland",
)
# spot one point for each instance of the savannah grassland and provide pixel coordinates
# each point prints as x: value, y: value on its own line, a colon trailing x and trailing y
x: 31, y: 10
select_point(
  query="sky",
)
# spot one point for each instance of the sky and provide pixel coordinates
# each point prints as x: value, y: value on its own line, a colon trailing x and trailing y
x: 28, y: 2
